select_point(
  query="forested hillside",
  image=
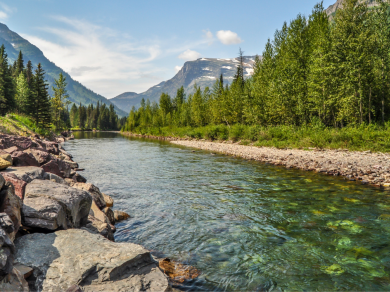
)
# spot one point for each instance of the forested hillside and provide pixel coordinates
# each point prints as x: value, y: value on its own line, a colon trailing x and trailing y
x: 314, y: 71
x: 78, y: 93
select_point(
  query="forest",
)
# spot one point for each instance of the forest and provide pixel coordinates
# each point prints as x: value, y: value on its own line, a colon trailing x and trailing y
x: 330, y: 74
x: 24, y: 94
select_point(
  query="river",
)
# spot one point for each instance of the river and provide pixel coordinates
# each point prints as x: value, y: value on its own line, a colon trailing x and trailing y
x: 247, y: 226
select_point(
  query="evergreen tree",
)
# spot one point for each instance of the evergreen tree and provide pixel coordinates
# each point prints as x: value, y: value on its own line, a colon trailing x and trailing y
x: 38, y: 104
x: 22, y: 94
x: 19, y: 65
x: 59, y: 100
x: 7, y: 92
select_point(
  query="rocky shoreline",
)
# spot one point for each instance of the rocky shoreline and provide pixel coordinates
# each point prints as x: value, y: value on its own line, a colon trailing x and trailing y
x: 364, y: 167
x: 56, y: 230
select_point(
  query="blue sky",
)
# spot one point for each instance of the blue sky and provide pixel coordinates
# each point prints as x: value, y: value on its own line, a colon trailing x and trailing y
x: 125, y: 45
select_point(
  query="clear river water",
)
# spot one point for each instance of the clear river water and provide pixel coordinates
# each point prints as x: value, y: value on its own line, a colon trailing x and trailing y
x: 247, y: 226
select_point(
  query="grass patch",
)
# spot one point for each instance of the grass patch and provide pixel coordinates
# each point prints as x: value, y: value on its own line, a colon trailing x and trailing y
x: 364, y: 137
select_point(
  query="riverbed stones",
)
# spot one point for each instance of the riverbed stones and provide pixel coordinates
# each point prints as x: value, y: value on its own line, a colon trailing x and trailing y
x: 94, y: 191
x: 78, y: 257
x: 49, y: 205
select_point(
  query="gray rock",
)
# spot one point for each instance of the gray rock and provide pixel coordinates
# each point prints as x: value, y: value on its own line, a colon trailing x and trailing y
x: 98, y: 227
x: 14, y: 282
x: 11, y: 205
x: 45, y: 213
x: 50, y: 205
x: 110, y: 215
x: 94, y: 191
x: 78, y: 257
x: 28, y: 173
x: 72, y: 163
x: 7, y: 250
x: 56, y: 178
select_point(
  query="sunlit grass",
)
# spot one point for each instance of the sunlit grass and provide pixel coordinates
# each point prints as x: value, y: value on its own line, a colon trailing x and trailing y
x: 364, y: 137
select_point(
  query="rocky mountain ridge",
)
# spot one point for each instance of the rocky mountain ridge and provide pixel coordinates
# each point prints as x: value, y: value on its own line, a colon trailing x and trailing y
x: 202, y: 72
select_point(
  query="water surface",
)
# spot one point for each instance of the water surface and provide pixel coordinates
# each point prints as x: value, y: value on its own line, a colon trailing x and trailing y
x: 247, y: 226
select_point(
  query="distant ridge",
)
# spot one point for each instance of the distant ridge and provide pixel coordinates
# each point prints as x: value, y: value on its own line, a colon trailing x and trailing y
x: 203, y: 72
x: 339, y: 5
x: 78, y: 93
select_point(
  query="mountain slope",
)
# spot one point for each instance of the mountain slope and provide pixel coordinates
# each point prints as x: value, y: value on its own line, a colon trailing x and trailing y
x: 202, y: 72
x: 77, y: 92
x: 339, y: 5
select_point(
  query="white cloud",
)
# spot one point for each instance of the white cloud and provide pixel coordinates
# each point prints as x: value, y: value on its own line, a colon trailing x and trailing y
x: 208, y: 36
x: 189, y: 55
x: 3, y: 15
x: 178, y: 68
x: 5, y: 11
x: 99, y: 58
x: 228, y: 37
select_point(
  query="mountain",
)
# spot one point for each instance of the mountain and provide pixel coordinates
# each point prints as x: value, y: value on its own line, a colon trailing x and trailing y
x: 339, y: 5
x: 77, y: 92
x: 202, y: 72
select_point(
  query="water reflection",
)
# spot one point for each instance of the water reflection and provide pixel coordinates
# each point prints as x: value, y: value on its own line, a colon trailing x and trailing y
x: 245, y: 225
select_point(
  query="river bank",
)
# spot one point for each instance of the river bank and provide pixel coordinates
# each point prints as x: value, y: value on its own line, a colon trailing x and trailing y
x: 361, y: 166
x: 57, y: 230
x: 366, y: 167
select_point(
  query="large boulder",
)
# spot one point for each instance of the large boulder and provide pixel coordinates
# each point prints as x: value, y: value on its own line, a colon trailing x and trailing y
x: 27, y: 174
x: 58, y: 167
x: 94, y: 191
x: 50, y: 205
x: 41, y: 156
x: 51, y: 147
x: 11, y: 205
x: 79, y: 257
x: 24, y: 159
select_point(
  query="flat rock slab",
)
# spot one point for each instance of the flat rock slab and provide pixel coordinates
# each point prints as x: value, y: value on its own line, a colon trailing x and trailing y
x: 27, y: 173
x: 78, y: 257
x: 51, y: 205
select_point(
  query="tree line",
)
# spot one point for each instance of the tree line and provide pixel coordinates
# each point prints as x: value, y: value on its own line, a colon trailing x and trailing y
x: 318, y: 70
x: 24, y: 91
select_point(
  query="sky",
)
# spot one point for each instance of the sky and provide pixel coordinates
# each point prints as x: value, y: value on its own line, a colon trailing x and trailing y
x: 129, y: 46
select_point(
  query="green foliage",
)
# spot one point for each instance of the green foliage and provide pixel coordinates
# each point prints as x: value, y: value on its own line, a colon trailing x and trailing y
x: 317, y: 84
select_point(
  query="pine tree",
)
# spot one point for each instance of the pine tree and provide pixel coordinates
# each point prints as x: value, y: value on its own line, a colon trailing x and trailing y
x: 38, y: 105
x: 19, y: 65
x: 7, y: 92
x: 22, y: 93
x: 59, y: 100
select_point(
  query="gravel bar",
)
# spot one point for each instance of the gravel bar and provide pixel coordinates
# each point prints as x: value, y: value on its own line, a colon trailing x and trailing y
x: 366, y: 167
